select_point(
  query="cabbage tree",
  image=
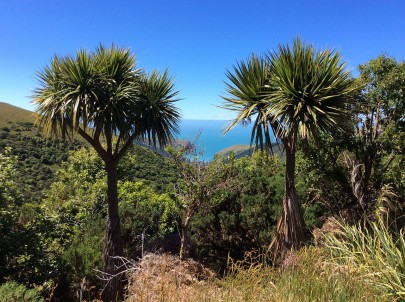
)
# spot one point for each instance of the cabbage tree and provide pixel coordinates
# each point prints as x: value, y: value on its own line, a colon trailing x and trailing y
x: 105, y: 99
x: 296, y: 93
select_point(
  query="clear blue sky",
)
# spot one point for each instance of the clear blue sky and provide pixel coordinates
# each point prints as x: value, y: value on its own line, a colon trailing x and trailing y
x: 196, y: 39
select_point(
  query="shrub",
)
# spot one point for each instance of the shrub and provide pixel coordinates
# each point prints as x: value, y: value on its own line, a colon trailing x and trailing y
x: 14, y: 292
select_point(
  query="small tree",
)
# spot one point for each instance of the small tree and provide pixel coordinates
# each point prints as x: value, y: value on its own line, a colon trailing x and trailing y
x: 192, y: 190
x: 295, y: 92
x: 104, y: 98
x: 379, y: 129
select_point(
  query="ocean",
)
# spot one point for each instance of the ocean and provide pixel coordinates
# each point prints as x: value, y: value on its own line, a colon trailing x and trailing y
x: 211, y: 139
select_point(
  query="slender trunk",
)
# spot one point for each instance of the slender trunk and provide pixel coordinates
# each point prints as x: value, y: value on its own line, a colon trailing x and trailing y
x: 184, y: 243
x: 290, y: 227
x: 113, y: 248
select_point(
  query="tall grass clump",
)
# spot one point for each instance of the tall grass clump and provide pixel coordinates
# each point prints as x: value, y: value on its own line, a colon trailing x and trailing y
x: 312, y: 278
x: 374, y: 252
x: 308, y: 277
x: 305, y: 276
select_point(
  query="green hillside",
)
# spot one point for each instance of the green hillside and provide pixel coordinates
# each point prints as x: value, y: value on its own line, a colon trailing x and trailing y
x: 247, y: 150
x: 238, y: 150
x: 39, y: 157
x: 10, y: 115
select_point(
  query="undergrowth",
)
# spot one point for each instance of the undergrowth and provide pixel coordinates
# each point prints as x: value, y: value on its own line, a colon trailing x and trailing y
x: 14, y: 292
x: 310, y: 278
x: 375, y: 253
x: 354, y: 263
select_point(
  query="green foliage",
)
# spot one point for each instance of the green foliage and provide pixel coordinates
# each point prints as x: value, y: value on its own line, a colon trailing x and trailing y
x: 79, y: 189
x: 245, y: 197
x: 380, y: 134
x: 7, y: 179
x: 244, y: 204
x: 154, y: 170
x: 81, y: 181
x: 308, y: 90
x: 82, y: 253
x: 30, y: 252
x: 383, y: 79
x: 37, y: 158
x: 14, y: 292
x: 347, y: 173
x: 145, y: 215
x: 322, y: 172
x: 374, y: 252
x: 30, y: 242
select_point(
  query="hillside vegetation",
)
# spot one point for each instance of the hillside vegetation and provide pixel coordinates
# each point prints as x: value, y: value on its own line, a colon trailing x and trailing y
x: 202, y: 231
x: 11, y: 115
x: 247, y: 150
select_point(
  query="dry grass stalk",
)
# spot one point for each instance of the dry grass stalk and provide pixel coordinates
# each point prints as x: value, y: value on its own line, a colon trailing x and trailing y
x: 157, y: 277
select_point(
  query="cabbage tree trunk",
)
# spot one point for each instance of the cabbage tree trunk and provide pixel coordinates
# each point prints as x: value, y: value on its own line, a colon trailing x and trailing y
x: 290, y: 227
x: 113, y: 247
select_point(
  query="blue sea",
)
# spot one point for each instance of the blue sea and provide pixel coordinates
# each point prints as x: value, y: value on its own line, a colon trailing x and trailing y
x: 211, y: 139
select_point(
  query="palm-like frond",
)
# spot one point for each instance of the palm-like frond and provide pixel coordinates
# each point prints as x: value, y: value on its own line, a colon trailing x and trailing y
x: 91, y: 90
x: 310, y: 90
x: 246, y: 88
x: 103, y: 92
x: 118, y: 101
x: 160, y: 117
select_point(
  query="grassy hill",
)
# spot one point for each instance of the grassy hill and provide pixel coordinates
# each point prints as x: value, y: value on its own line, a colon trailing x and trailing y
x: 247, y: 150
x: 238, y: 150
x: 10, y: 115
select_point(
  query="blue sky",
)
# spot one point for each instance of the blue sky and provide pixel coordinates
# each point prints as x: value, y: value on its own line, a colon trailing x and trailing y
x: 196, y: 40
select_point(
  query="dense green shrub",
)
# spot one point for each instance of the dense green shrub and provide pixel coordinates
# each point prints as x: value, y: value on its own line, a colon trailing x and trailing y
x: 14, y: 292
x: 245, y: 201
x: 147, y: 218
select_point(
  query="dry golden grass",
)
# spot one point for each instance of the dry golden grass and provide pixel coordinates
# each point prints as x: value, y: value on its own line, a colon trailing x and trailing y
x: 310, y: 278
x: 160, y: 277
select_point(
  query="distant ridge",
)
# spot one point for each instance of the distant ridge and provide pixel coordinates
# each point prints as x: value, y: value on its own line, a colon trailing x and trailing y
x: 247, y: 150
x: 10, y: 114
x: 238, y: 150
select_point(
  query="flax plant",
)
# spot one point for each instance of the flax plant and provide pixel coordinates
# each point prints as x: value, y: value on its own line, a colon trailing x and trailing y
x: 373, y: 251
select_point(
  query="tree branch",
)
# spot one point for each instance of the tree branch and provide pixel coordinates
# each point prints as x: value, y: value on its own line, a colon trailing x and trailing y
x: 126, y: 146
x: 108, y: 137
x: 117, y: 145
x: 94, y: 143
x: 97, y: 133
